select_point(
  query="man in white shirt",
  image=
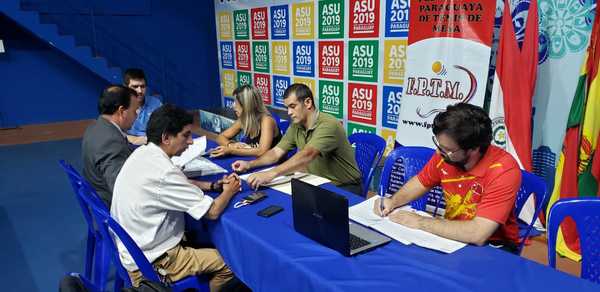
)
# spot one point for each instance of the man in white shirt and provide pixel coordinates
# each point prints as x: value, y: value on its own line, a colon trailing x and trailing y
x: 150, y: 198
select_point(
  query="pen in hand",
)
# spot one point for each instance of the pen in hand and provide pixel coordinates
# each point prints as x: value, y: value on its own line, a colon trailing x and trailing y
x: 381, y: 199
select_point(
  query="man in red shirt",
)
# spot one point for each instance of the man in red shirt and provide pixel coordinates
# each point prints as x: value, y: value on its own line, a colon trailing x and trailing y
x: 479, y: 180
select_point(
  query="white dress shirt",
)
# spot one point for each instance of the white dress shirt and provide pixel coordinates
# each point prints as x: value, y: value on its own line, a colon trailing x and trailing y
x: 150, y: 197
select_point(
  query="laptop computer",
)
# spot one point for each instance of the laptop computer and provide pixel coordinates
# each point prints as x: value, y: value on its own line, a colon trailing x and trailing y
x: 322, y: 216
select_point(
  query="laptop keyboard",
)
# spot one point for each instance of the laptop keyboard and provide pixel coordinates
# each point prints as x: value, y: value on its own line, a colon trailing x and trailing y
x: 357, y: 242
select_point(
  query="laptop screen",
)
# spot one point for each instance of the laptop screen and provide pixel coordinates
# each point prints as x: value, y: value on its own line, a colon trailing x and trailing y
x: 321, y: 215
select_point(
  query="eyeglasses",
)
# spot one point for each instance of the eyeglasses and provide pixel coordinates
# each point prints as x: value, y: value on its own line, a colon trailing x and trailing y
x: 444, y: 153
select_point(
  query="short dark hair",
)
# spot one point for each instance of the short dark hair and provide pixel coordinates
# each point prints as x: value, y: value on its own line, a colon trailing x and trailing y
x: 469, y: 125
x: 169, y: 120
x: 301, y: 91
x: 133, y: 73
x: 113, y: 97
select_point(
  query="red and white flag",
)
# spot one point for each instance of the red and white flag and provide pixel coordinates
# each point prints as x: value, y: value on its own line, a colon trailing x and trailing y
x: 512, y: 92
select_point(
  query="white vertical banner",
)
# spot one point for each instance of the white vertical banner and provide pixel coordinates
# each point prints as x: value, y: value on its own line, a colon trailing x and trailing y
x: 448, y: 54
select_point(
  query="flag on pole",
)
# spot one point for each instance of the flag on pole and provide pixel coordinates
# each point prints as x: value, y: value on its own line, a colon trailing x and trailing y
x: 514, y: 85
x: 578, y: 169
x: 512, y: 93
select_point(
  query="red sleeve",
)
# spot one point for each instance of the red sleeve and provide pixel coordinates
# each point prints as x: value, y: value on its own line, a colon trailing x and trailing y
x: 499, y: 195
x: 430, y: 174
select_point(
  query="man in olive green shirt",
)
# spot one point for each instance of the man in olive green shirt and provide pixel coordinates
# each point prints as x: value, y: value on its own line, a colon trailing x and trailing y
x: 323, y: 148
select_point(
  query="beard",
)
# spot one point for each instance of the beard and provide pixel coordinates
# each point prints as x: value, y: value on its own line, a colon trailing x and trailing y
x: 459, y: 164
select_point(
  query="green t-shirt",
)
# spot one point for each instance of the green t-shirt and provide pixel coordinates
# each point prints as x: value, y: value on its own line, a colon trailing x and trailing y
x: 336, y: 161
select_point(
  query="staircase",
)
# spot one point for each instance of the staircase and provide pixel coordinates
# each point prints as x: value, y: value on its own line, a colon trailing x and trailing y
x: 98, y: 49
x: 30, y: 20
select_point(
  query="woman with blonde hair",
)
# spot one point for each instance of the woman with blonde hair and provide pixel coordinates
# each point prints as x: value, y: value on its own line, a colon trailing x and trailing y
x: 254, y: 121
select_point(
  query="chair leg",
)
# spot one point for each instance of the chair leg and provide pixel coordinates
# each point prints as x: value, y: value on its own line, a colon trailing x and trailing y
x: 102, y: 265
x: 119, y: 283
x: 89, y: 257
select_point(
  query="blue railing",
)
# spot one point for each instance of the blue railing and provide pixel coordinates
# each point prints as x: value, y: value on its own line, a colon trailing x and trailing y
x: 164, y: 77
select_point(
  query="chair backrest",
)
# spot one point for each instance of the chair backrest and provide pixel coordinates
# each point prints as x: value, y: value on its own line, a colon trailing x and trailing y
x: 96, y: 260
x: 106, y: 224
x: 586, y: 214
x: 368, y: 152
x: 282, y: 124
x: 531, y: 184
x: 401, y: 165
x: 77, y: 182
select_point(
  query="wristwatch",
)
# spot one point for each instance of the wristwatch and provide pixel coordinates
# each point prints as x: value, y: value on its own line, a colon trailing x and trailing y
x: 213, y: 187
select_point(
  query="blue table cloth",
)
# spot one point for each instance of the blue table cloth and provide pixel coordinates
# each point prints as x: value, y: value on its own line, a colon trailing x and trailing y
x: 269, y: 255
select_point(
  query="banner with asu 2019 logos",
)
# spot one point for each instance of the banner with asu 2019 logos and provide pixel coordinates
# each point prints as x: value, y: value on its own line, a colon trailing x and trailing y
x: 351, y: 53
x: 449, y: 45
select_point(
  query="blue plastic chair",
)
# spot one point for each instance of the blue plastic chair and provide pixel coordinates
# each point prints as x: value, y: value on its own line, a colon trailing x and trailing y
x: 70, y: 278
x: 97, y: 260
x: 106, y: 224
x: 368, y: 149
x: 401, y: 165
x: 282, y: 124
x: 586, y: 214
x: 531, y: 184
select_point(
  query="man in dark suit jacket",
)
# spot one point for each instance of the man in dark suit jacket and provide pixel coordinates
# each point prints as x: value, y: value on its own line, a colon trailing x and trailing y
x: 104, y: 146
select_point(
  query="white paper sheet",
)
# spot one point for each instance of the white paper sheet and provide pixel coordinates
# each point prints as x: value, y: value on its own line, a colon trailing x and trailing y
x: 202, y: 166
x: 311, y: 179
x: 246, y: 175
x: 363, y: 214
x: 283, y: 183
x: 192, y: 152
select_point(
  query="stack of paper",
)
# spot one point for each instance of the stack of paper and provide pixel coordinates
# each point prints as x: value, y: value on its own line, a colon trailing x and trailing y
x: 202, y: 166
x: 192, y: 152
x: 363, y: 214
x: 283, y: 183
x: 192, y: 162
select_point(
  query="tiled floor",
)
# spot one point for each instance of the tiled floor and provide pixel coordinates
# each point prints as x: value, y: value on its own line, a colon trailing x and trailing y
x: 536, y: 251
